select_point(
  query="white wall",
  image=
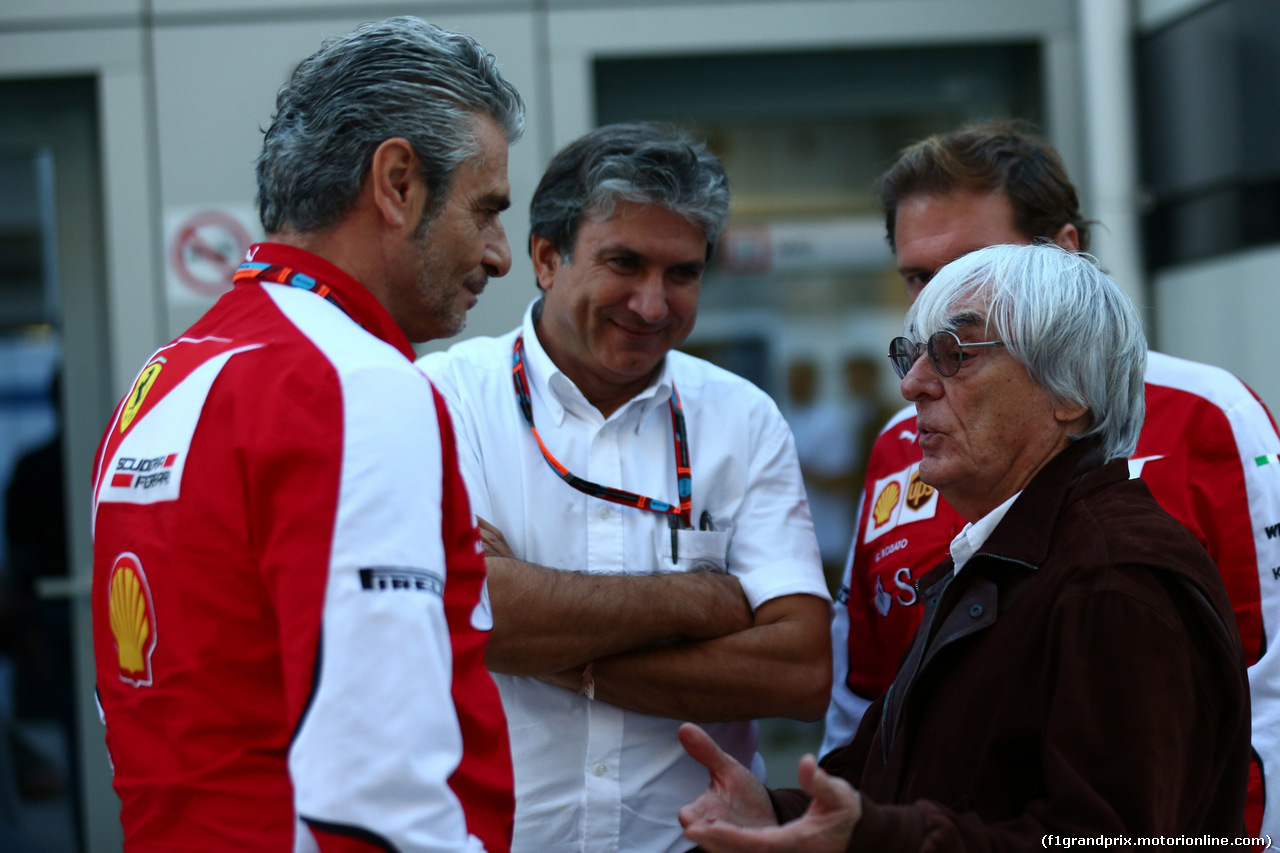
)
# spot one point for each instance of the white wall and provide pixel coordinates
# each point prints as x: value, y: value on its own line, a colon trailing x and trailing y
x: 1224, y: 312
x: 62, y: 12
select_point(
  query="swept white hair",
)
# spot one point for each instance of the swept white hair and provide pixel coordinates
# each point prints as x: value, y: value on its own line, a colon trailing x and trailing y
x: 1072, y: 327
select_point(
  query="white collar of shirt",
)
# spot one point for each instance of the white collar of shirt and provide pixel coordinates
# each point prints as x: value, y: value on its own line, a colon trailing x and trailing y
x: 562, y: 395
x: 974, y: 535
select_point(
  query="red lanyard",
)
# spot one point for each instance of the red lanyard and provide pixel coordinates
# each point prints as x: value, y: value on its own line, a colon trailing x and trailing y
x: 678, y: 516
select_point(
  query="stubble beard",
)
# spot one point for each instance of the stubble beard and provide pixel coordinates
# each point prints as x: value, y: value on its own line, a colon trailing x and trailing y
x: 435, y: 294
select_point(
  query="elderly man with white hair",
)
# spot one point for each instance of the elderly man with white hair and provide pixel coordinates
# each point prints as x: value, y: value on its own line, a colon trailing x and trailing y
x: 1076, y: 673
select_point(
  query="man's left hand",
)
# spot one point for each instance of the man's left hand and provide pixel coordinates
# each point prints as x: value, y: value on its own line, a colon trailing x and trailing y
x: 495, y: 544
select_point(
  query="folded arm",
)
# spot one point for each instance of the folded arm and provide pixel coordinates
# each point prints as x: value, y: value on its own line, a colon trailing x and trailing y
x: 779, y: 667
x: 547, y: 621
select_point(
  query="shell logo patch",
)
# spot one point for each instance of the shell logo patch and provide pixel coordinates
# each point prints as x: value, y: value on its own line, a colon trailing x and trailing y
x: 133, y: 619
x: 138, y: 393
x: 901, y: 498
x: 918, y: 491
x: 886, y: 502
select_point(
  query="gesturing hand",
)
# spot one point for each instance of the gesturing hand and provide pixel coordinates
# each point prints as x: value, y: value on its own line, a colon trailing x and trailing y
x: 735, y: 815
x: 735, y: 796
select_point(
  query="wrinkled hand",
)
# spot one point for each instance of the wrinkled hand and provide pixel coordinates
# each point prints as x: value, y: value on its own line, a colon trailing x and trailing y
x: 495, y: 544
x: 730, y: 816
x: 735, y: 796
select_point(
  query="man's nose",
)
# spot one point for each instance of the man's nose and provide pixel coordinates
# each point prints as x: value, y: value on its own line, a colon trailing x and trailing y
x: 921, y: 381
x: 649, y: 298
x: 497, y: 254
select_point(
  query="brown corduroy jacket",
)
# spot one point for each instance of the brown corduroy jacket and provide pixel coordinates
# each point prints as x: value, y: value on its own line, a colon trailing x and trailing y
x: 1081, y: 676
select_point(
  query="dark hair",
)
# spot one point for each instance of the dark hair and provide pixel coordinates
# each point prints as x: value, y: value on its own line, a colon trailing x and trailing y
x: 401, y: 77
x: 989, y: 157
x: 641, y: 162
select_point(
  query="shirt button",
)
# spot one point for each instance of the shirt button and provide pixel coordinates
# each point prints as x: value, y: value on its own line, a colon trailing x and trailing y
x: 605, y: 512
x: 975, y: 611
x: 601, y: 769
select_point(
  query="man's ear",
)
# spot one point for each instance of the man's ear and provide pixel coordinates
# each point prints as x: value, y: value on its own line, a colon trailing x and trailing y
x: 1068, y: 238
x: 398, y: 190
x: 546, y: 260
x: 1075, y: 415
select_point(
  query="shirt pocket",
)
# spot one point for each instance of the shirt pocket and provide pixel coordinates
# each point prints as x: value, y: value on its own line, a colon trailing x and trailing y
x: 696, y: 550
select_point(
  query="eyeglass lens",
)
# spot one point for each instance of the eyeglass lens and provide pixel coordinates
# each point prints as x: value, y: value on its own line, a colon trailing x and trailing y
x: 903, y: 353
x: 945, y: 353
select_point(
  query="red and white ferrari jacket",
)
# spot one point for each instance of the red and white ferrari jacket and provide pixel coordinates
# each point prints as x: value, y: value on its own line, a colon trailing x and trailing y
x: 286, y: 584
x: 1210, y: 453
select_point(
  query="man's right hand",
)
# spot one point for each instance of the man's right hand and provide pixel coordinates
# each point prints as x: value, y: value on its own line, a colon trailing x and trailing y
x: 734, y: 796
x: 735, y: 814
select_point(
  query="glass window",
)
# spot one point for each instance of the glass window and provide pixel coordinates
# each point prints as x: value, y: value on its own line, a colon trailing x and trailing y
x: 1210, y: 119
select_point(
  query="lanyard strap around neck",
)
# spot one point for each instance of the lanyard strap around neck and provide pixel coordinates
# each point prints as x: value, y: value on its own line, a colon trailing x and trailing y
x: 277, y: 274
x: 684, y: 480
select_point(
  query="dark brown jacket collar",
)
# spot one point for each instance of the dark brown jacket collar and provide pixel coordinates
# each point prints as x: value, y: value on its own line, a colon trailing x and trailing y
x: 1022, y: 536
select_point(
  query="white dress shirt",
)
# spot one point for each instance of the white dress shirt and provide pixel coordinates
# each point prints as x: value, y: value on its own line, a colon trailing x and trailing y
x: 974, y: 534
x: 591, y: 776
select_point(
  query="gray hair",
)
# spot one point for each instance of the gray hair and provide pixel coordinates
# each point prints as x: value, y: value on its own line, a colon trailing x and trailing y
x: 641, y: 162
x: 1072, y: 327
x: 401, y: 77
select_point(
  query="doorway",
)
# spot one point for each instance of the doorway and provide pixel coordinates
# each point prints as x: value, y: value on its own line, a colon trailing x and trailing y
x: 54, y: 398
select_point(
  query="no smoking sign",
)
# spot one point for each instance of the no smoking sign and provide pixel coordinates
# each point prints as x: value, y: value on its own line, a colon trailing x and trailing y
x: 204, y: 249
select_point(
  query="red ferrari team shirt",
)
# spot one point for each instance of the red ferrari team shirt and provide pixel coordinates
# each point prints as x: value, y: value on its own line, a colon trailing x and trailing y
x: 287, y: 573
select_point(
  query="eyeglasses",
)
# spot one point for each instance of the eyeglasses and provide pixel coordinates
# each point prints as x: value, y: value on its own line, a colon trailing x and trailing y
x: 946, y: 353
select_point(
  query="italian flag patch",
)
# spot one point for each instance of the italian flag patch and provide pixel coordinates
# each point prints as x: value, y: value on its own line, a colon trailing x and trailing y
x: 1270, y: 458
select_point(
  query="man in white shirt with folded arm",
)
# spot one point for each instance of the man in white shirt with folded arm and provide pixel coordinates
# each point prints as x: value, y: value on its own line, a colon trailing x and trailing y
x: 650, y: 551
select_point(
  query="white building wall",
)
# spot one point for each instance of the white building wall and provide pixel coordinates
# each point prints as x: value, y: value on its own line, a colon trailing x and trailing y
x: 1223, y: 311
x: 54, y: 13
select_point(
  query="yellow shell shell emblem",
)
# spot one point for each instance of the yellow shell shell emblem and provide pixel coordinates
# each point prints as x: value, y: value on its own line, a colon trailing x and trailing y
x: 138, y: 393
x: 886, y: 502
x: 132, y: 619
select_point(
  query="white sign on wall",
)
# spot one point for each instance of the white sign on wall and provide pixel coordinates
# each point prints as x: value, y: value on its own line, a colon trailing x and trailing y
x: 204, y: 246
x: 803, y: 245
